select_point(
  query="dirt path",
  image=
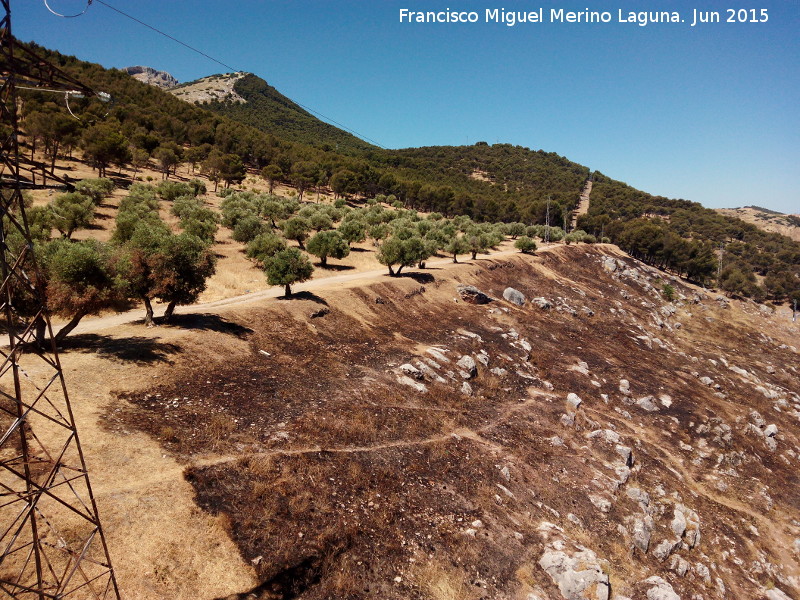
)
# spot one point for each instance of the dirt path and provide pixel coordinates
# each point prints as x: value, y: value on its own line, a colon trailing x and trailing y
x: 583, y: 203
x: 217, y: 306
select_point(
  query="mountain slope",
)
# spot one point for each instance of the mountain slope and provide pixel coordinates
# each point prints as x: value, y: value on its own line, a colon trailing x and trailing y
x: 597, y: 439
x: 266, y: 108
x: 768, y: 220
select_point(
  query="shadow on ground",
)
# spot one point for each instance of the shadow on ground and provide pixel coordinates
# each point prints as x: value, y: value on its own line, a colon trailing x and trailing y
x: 136, y: 348
x: 306, y: 296
x: 206, y: 322
x: 418, y: 277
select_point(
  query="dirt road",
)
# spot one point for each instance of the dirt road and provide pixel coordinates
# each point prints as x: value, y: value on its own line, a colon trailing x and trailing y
x: 583, y: 203
x: 338, y: 281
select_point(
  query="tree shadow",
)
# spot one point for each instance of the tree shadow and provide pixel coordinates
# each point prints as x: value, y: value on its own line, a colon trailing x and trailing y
x: 330, y: 267
x: 360, y: 250
x: 206, y: 322
x: 138, y: 349
x: 305, y: 296
x: 418, y: 277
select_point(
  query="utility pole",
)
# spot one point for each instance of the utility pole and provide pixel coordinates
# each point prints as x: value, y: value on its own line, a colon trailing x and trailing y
x: 51, y: 543
x: 547, y: 222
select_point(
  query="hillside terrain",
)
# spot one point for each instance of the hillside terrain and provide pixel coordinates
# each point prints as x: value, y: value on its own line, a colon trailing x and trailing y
x: 267, y: 134
x: 386, y: 438
x: 788, y: 225
x: 151, y: 76
x: 580, y: 423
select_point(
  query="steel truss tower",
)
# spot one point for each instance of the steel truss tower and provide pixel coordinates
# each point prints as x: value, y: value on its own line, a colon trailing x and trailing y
x: 51, y: 542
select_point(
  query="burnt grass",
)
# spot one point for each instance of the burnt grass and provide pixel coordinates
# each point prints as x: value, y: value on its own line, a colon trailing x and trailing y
x: 336, y: 481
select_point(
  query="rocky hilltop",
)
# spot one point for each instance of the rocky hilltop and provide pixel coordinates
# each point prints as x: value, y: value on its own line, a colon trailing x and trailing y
x: 151, y: 76
x: 574, y: 425
x: 788, y: 225
x: 214, y: 88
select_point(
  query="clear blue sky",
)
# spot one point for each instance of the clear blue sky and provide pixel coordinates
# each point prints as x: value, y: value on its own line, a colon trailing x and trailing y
x: 710, y: 113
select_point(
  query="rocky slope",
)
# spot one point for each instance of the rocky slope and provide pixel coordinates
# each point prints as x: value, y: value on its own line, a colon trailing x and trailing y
x: 214, y: 88
x: 788, y: 225
x: 582, y: 438
x: 151, y: 76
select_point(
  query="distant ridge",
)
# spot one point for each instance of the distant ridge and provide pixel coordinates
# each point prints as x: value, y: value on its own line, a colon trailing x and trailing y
x: 249, y: 99
x: 151, y: 76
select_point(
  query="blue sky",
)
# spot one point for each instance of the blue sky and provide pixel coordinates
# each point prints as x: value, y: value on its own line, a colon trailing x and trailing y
x: 707, y: 113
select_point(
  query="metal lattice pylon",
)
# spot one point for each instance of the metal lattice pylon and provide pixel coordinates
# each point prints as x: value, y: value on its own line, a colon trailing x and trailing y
x: 51, y: 541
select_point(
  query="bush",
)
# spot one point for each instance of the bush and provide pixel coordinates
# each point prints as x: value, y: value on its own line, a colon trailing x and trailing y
x: 248, y: 228
x: 185, y: 205
x: 525, y: 245
x: 264, y: 246
x: 198, y: 187
x: 297, y: 228
x: 668, y: 292
x: 287, y: 267
x: 170, y: 190
x: 96, y: 189
x: 69, y: 212
x: 328, y: 243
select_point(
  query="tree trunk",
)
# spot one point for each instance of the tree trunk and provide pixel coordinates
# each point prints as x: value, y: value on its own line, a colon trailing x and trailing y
x: 300, y: 243
x: 41, y: 331
x: 391, y: 271
x: 400, y: 268
x: 474, y: 255
x: 288, y: 290
x: 148, y: 316
x: 66, y: 329
x: 455, y: 258
x: 170, y: 311
x: 323, y: 260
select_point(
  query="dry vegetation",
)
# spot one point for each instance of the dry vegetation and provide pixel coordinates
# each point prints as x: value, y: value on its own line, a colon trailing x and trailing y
x: 332, y: 480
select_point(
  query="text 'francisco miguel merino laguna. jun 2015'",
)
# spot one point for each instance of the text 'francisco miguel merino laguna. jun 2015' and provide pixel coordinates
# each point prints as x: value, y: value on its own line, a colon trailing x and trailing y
x: 510, y: 18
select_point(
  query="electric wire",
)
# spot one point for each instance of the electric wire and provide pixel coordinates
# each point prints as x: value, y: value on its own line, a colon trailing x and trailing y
x: 88, y: 4
x: 219, y: 62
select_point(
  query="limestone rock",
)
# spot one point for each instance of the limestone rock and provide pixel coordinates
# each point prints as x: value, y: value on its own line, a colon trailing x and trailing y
x: 690, y: 521
x: 647, y: 403
x: 514, y: 296
x: 663, y: 550
x: 625, y: 386
x: 679, y: 565
x: 412, y: 371
x: 467, y: 364
x: 771, y: 430
x: 472, y: 295
x: 574, y: 400
x: 542, y: 303
x: 642, y: 531
x: 660, y: 589
x: 405, y: 380
x: 578, y: 577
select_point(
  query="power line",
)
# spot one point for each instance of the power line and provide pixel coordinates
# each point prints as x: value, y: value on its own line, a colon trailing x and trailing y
x: 227, y: 66
x: 166, y: 35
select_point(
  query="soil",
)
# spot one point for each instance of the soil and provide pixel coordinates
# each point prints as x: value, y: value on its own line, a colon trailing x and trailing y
x: 331, y: 479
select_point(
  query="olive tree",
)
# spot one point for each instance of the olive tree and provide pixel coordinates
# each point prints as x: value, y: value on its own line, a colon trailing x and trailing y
x: 286, y: 268
x: 328, y: 243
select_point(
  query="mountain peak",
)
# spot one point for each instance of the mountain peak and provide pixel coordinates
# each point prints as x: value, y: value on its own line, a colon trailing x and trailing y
x: 214, y: 88
x: 152, y: 76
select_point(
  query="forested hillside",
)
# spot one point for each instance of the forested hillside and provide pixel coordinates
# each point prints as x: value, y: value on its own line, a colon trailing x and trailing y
x: 695, y: 241
x: 501, y: 182
x: 270, y: 111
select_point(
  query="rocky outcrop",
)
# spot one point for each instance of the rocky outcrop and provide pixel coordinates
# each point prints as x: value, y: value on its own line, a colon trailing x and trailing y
x: 151, y: 76
x: 578, y: 576
x: 514, y: 296
x: 472, y: 295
